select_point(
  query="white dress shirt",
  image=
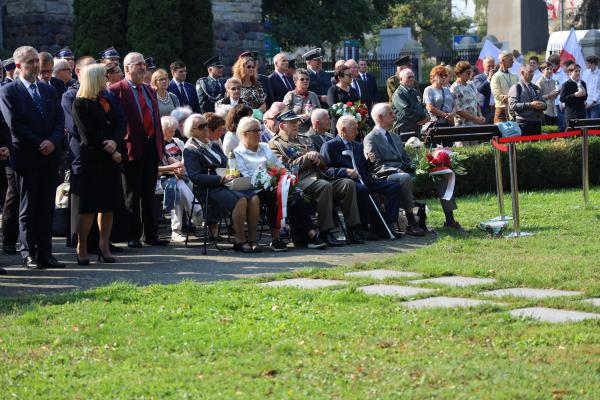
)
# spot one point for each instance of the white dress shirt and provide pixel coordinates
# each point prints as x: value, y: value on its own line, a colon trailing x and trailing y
x: 593, y: 85
x: 248, y: 160
x: 27, y: 85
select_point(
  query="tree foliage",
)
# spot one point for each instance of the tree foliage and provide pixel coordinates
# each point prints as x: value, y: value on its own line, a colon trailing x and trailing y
x: 154, y: 29
x: 588, y: 15
x: 432, y: 16
x: 197, y: 35
x: 99, y: 25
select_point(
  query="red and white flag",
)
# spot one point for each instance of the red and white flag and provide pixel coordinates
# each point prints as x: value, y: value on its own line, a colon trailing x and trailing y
x: 572, y: 51
x: 489, y: 50
x: 551, y: 9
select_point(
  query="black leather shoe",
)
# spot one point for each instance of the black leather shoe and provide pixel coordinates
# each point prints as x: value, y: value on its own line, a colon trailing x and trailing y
x: 3, y: 271
x: 114, y: 249
x: 354, y: 237
x: 134, y: 244
x: 332, y: 241
x: 9, y: 249
x: 156, y: 242
x: 51, y: 262
x: 30, y: 263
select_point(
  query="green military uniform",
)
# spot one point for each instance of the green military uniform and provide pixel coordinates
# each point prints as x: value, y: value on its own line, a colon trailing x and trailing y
x: 408, y: 108
x: 315, y: 183
x: 392, y: 84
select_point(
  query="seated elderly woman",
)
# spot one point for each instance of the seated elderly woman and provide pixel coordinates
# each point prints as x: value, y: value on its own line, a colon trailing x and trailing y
x: 216, y: 128
x: 181, y: 114
x: 301, y: 100
x: 201, y: 159
x: 177, y: 194
x: 233, y: 89
x: 233, y: 117
x: 249, y: 155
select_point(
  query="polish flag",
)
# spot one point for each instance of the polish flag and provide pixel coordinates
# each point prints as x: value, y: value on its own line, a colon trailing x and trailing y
x: 489, y: 50
x: 572, y: 51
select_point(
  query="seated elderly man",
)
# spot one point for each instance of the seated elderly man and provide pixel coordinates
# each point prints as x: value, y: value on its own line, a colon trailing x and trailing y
x: 297, y: 150
x: 319, y: 131
x: 340, y: 166
x: 270, y: 126
x: 392, y: 163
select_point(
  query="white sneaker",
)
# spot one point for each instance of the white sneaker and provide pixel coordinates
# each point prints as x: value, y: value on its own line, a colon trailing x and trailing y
x: 177, y: 237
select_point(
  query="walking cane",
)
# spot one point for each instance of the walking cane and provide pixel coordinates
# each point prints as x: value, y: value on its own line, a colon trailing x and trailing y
x: 350, y: 154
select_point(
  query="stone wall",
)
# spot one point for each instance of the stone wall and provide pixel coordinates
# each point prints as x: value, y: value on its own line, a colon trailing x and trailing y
x: 44, y: 24
x: 237, y: 26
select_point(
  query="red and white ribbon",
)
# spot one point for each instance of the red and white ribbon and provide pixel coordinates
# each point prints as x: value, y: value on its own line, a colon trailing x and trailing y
x: 451, y: 181
x: 283, y: 188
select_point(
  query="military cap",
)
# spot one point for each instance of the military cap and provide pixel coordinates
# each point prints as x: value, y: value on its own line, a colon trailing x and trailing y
x: 150, y: 63
x: 248, y: 53
x: 9, y: 64
x: 313, y: 54
x: 65, y: 52
x: 288, y: 116
x: 109, y: 53
x: 404, y: 60
x: 213, y: 62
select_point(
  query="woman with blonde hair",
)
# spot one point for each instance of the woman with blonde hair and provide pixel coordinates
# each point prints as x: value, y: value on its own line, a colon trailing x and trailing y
x: 98, y: 184
x: 252, y: 93
x: 167, y: 102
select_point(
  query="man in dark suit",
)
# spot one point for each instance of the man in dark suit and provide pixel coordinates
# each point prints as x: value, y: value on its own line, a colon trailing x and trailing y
x: 340, y: 166
x: 4, y: 154
x: 280, y: 82
x: 144, y: 148
x: 185, y: 91
x: 369, y: 80
x: 46, y: 70
x: 482, y: 83
x: 211, y: 88
x: 36, y: 122
x: 10, y: 211
x: 358, y: 84
x: 320, y: 126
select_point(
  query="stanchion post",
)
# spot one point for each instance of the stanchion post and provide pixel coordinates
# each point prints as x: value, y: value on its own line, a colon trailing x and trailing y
x: 585, y: 144
x: 514, y: 187
x: 499, y: 183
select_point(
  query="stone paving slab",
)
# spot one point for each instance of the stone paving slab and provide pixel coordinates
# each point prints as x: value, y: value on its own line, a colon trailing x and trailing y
x: 393, y: 290
x: 458, y: 281
x: 594, y: 302
x: 531, y: 293
x: 382, y: 274
x: 305, y: 283
x: 446, y: 302
x: 552, y: 315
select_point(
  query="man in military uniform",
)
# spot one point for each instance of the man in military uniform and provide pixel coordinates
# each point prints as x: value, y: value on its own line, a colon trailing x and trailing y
x: 109, y: 55
x: 211, y: 88
x: 407, y: 105
x: 9, y: 70
x: 66, y: 54
x: 297, y: 151
x: 320, y: 81
x: 151, y: 67
x: 393, y: 82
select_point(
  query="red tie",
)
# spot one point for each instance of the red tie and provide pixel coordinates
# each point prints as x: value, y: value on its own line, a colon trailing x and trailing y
x: 146, y: 113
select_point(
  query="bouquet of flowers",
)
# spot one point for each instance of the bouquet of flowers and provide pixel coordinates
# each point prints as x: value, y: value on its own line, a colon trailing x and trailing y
x: 279, y: 180
x: 356, y: 109
x: 443, y: 161
x: 439, y: 160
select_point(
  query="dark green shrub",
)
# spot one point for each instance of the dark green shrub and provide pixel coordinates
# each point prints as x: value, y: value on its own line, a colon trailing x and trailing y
x: 542, y: 165
x: 197, y: 36
x: 98, y: 25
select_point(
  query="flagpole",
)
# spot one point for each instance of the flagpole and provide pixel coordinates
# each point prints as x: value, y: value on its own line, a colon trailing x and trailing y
x: 562, y: 14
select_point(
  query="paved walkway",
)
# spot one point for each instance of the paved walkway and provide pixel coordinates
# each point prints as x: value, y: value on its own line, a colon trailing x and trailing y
x: 175, y: 263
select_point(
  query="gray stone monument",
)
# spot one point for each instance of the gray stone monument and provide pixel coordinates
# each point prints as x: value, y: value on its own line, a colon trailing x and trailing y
x: 523, y: 24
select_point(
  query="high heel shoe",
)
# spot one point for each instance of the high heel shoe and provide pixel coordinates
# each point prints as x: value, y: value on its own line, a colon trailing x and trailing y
x: 82, y: 262
x: 107, y: 260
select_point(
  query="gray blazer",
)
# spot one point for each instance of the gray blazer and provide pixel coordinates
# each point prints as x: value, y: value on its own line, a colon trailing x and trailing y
x: 519, y: 99
x: 388, y: 159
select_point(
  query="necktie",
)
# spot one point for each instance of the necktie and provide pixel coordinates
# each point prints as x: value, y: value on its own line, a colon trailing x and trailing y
x: 146, y: 113
x: 184, y: 94
x: 287, y: 83
x: 388, y: 136
x: 364, y: 77
x: 355, y: 82
x: 37, y: 99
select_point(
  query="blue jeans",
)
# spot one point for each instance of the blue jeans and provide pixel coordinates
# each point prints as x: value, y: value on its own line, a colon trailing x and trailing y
x: 560, y: 115
x: 594, y: 112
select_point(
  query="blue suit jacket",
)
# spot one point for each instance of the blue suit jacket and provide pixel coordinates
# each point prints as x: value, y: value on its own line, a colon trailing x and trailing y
x: 372, y: 88
x: 28, y: 128
x: 279, y: 88
x: 190, y: 90
x: 337, y: 163
x: 484, y: 88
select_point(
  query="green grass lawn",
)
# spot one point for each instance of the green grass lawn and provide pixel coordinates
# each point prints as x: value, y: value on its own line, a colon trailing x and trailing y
x: 237, y: 340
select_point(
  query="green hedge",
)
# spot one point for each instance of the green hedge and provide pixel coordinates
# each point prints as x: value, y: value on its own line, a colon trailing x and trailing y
x: 540, y: 165
x: 98, y: 25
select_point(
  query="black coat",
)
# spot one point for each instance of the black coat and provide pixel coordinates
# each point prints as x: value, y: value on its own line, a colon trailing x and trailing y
x: 574, y: 106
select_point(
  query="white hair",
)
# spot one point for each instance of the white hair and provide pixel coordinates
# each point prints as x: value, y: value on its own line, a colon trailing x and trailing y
x: 278, y: 57
x: 181, y: 113
x: 405, y: 72
x: 188, y: 124
x: 20, y: 53
x: 318, y: 115
x: 504, y: 54
x: 379, y: 109
x: 232, y: 81
x: 243, y: 125
x: 345, y: 121
x: 59, y: 65
x: 222, y: 109
x: 168, y: 122
x: 129, y: 56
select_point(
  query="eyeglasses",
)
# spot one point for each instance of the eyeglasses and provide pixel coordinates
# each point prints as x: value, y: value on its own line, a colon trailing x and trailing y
x: 137, y: 64
x: 303, y: 79
x: 348, y: 75
x: 164, y: 78
x: 201, y: 126
x: 443, y: 75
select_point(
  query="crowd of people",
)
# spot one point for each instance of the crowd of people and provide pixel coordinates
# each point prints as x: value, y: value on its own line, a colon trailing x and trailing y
x: 122, y: 131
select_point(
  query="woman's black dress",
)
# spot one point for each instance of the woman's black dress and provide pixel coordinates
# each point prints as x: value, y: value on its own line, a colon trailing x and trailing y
x: 337, y: 95
x: 98, y: 184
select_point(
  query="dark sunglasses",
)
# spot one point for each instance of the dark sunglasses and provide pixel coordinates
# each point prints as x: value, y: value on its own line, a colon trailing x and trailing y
x: 201, y: 126
x: 443, y: 75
